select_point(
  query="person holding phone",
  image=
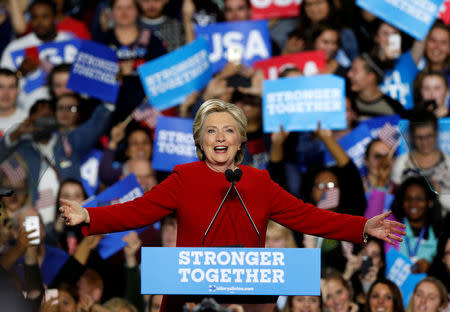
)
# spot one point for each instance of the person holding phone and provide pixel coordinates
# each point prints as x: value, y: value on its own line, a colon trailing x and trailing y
x: 431, y: 93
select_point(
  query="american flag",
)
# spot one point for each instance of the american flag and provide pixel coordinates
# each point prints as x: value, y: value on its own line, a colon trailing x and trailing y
x: 329, y: 198
x: 146, y: 113
x: 46, y: 199
x: 13, y: 171
x: 389, y: 135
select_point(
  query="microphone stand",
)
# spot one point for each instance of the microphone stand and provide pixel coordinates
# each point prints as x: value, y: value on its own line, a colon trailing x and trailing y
x: 234, y: 178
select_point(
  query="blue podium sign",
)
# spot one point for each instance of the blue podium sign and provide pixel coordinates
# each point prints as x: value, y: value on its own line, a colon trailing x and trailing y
x: 230, y: 271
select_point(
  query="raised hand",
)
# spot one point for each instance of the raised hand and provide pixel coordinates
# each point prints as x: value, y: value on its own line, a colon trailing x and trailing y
x: 73, y: 213
x: 384, y: 229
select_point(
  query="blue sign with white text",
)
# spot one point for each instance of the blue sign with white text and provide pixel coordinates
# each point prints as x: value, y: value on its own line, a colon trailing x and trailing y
x: 250, y: 40
x: 174, y: 143
x: 169, y: 79
x: 398, y: 270
x: 125, y: 190
x: 94, y: 72
x: 53, y: 53
x: 299, y: 103
x: 230, y: 271
x: 414, y: 17
x: 89, y: 171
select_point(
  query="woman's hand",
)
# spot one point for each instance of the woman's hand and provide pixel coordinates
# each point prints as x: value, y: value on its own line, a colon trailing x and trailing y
x: 73, y: 213
x: 117, y: 135
x: 384, y: 229
x: 421, y: 266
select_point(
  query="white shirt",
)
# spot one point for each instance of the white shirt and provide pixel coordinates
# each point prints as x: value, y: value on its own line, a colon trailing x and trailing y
x: 6, y: 122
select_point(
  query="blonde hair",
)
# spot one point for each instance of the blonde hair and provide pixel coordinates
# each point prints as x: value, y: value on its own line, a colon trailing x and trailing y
x: 219, y: 106
x: 441, y: 289
x: 287, y: 234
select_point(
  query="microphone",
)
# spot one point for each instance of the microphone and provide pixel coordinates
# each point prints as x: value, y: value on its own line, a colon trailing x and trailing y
x: 232, y: 177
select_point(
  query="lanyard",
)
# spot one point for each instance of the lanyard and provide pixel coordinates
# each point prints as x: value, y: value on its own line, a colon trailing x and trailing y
x: 416, y: 248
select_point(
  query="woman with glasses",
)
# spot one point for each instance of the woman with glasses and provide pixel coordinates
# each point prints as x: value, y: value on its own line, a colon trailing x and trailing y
x: 425, y: 158
x: 337, y: 188
x: 417, y: 206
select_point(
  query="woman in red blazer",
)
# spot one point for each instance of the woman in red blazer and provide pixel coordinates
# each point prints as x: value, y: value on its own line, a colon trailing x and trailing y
x: 194, y: 191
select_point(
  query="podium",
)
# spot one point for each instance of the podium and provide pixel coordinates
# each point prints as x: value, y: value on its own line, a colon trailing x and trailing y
x: 238, y: 275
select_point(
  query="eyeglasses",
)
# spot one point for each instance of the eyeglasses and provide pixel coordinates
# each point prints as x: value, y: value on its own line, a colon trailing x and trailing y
x: 327, y: 185
x: 71, y: 108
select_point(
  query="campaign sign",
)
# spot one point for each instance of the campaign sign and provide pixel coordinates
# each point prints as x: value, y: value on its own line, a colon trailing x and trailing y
x: 169, y: 79
x: 174, y: 143
x: 230, y: 271
x: 252, y: 37
x: 399, y: 271
x: 125, y: 190
x: 94, y: 72
x: 89, y: 171
x: 265, y: 9
x: 414, y: 17
x: 299, y: 103
x: 443, y: 142
x: 310, y: 63
x: 54, y: 53
x: 444, y: 12
x: 354, y: 144
x: 376, y: 123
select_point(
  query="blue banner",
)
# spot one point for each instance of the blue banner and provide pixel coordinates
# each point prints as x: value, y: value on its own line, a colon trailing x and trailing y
x: 414, y: 17
x: 398, y: 270
x: 300, y: 103
x: 443, y: 142
x: 354, y: 144
x: 89, y: 171
x: 230, y: 271
x: 174, y: 143
x: 125, y: 190
x: 94, y: 72
x: 252, y: 38
x: 169, y: 79
x: 54, y: 53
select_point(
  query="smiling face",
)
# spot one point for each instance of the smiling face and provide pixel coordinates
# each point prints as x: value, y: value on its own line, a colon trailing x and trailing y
x: 306, y: 304
x: 139, y: 145
x: 425, y: 139
x: 437, y: 47
x: 426, y: 298
x: 337, y: 296
x: 220, y: 141
x: 328, y: 42
x: 381, y: 299
x: 415, y: 203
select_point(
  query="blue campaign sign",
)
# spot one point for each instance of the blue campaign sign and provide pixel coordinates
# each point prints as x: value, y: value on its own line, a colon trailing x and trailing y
x: 174, y: 143
x: 94, y: 72
x: 399, y: 271
x: 355, y: 144
x: 376, y: 123
x: 414, y: 17
x: 230, y: 271
x: 299, y: 103
x: 169, y: 79
x: 89, y: 171
x: 125, y: 190
x: 398, y: 82
x: 406, y: 143
x: 251, y: 37
x: 54, y: 53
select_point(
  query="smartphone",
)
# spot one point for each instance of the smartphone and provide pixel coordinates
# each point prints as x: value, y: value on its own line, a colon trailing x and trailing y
x: 31, y: 223
x: 395, y: 44
x: 366, y: 265
x: 430, y: 105
x: 234, y: 53
x: 50, y: 294
x: 33, y: 53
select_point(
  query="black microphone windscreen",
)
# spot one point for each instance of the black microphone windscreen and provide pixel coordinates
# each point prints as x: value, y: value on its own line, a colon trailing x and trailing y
x: 229, y: 174
x: 237, y: 174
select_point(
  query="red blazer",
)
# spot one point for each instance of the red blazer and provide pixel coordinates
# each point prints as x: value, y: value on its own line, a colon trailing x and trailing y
x: 194, y: 192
